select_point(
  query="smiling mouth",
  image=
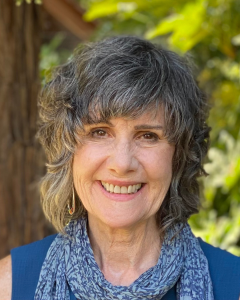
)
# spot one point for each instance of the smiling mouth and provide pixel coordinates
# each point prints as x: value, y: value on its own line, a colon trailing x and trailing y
x: 115, y: 189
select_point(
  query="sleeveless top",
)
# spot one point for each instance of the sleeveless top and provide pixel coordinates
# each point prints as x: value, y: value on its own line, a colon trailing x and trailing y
x: 27, y: 262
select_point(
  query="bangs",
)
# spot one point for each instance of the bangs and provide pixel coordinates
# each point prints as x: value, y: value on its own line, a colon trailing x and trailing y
x: 120, y: 85
x: 101, y: 110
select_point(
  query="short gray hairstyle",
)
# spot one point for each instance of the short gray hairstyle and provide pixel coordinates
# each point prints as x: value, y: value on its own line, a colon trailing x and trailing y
x: 123, y: 76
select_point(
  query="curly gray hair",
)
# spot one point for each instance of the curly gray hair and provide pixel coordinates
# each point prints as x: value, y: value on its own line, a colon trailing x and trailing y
x: 123, y: 77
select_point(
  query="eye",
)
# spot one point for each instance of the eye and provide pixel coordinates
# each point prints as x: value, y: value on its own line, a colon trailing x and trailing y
x: 150, y: 136
x: 98, y: 133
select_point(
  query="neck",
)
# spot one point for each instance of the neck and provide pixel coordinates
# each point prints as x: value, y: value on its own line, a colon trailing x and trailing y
x: 123, y: 254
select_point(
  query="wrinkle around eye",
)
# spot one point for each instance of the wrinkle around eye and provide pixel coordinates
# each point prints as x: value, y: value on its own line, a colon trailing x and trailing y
x: 91, y: 136
x: 98, y: 135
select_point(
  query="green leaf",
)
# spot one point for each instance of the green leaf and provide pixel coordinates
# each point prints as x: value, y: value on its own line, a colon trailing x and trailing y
x: 188, y: 27
x: 101, y: 9
x: 236, y: 40
x: 166, y: 26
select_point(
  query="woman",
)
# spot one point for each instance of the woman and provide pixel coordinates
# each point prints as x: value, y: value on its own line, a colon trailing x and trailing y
x: 123, y: 126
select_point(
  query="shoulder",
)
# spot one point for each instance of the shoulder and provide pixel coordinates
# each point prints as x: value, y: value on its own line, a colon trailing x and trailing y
x: 219, y: 258
x: 5, y: 278
x: 224, y: 269
x: 26, y: 266
x: 39, y: 246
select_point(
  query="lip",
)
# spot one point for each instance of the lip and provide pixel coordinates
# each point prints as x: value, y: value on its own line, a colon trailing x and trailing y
x: 120, y: 197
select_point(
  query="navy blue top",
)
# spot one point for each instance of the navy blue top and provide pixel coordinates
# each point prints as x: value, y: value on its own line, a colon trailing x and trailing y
x: 27, y: 262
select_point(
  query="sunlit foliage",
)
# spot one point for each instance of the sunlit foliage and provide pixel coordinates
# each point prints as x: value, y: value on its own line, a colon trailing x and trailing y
x: 52, y: 55
x: 19, y: 2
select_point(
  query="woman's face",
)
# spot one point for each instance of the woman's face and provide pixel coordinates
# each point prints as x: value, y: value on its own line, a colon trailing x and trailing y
x: 123, y: 169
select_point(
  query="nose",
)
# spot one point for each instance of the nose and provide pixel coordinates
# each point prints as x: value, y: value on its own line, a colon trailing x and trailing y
x: 122, y: 158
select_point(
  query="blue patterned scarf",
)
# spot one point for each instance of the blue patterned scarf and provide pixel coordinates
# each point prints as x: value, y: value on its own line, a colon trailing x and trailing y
x: 70, y: 263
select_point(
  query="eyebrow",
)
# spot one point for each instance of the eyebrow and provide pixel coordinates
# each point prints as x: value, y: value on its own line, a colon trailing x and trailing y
x: 137, y: 127
x: 146, y: 126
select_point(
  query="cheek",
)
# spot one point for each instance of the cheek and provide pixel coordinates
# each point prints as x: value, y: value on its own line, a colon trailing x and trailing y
x: 86, y: 162
x: 80, y: 172
x: 81, y: 182
x: 90, y: 156
x: 159, y: 165
x: 85, y: 158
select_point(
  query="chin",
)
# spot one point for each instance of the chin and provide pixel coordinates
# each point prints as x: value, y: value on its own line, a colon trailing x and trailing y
x: 121, y: 221
x: 120, y: 224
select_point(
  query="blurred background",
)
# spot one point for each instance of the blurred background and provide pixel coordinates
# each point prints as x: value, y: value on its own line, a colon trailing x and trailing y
x: 36, y: 36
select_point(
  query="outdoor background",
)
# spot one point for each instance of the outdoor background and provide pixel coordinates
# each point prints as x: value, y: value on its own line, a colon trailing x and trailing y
x: 34, y: 37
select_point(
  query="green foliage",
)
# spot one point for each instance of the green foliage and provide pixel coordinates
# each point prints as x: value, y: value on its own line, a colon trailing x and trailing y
x: 221, y: 212
x: 208, y: 31
x: 52, y: 55
x: 19, y: 2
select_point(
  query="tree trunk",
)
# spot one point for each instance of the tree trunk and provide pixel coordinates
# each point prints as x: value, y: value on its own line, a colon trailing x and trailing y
x: 21, y: 157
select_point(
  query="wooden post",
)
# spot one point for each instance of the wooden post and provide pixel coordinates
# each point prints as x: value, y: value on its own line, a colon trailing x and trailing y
x: 21, y: 157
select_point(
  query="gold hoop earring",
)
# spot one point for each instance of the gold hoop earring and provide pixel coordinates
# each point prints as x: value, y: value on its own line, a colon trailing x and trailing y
x: 71, y: 210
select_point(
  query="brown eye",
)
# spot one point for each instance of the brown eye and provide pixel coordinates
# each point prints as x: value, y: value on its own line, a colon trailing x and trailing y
x: 150, y: 136
x: 99, y: 133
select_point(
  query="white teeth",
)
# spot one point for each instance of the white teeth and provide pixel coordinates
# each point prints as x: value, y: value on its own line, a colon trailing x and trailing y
x: 111, y: 188
x: 117, y: 189
x: 138, y: 186
x: 131, y: 189
x: 124, y: 190
x: 134, y: 188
